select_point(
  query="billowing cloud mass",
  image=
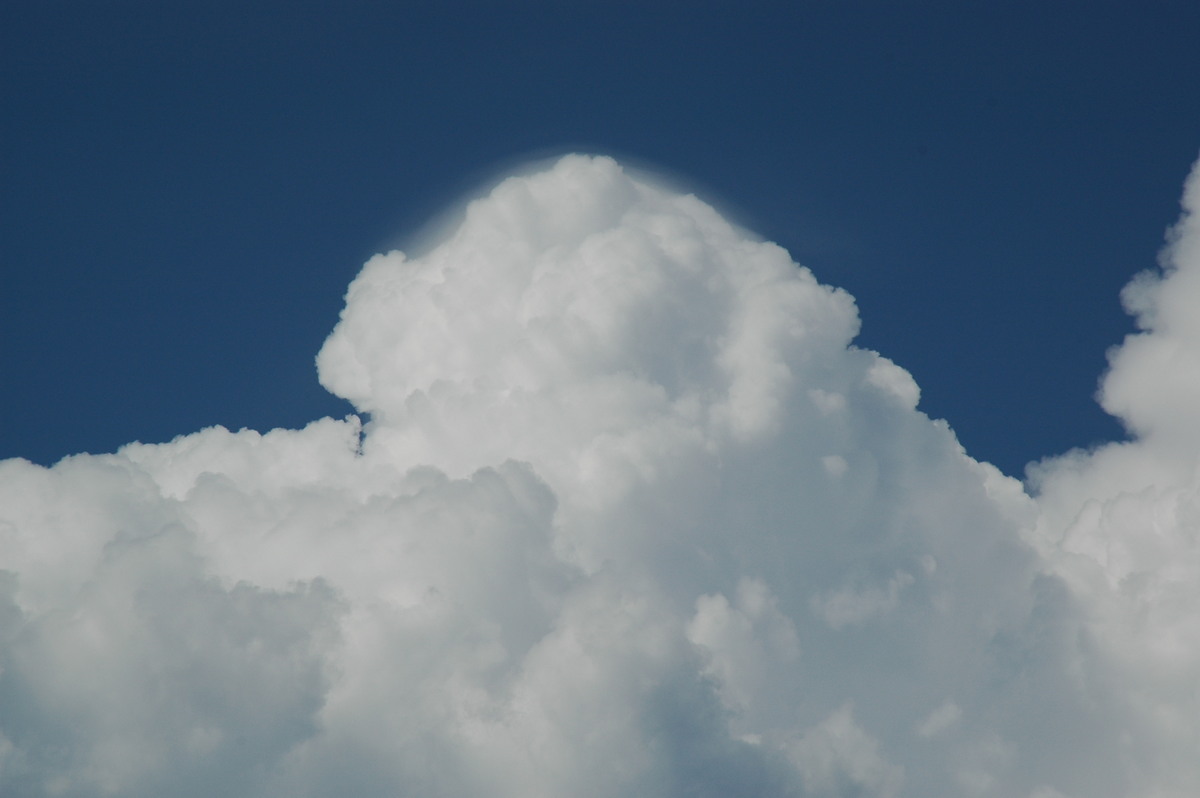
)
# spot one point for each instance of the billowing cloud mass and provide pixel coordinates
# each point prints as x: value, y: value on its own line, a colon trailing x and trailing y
x: 629, y: 515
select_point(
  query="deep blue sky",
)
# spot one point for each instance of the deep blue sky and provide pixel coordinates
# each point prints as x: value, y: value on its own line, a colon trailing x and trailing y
x: 187, y: 192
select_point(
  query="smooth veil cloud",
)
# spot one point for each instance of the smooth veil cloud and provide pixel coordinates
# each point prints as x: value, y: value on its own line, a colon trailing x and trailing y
x: 630, y: 515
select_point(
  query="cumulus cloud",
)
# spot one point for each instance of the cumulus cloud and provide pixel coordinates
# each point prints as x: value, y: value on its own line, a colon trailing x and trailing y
x: 626, y: 513
x: 1121, y: 525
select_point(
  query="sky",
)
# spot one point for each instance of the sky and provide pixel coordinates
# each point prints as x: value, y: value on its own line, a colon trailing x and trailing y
x: 593, y: 399
x: 187, y: 190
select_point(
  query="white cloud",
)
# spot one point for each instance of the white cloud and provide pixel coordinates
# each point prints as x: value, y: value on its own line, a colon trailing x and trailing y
x: 940, y: 719
x: 838, y: 758
x: 630, y: 516
x: 1121, y: 524
x: 851, y: 605
x: 750, y: 645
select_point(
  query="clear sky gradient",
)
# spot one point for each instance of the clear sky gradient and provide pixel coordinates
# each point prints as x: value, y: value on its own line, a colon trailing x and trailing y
x: 187, y: 191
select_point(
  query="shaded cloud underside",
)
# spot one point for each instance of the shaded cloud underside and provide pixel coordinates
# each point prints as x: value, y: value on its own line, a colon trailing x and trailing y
x: 631, y: 516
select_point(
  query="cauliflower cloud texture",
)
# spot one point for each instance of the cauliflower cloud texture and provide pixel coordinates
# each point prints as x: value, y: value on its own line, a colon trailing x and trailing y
x: 625, y: 513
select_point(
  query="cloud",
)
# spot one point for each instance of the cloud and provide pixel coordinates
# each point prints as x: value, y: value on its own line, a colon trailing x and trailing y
x: 849, y: 605
x: 1121, y: 524
x: 629, y: 514
x: 940, y: 719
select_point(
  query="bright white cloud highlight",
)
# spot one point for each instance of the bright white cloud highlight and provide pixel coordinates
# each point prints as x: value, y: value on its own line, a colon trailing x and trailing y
x: 630, y: 516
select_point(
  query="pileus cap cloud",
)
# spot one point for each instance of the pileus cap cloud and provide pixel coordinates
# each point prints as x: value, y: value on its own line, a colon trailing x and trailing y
x: 630, y: 514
